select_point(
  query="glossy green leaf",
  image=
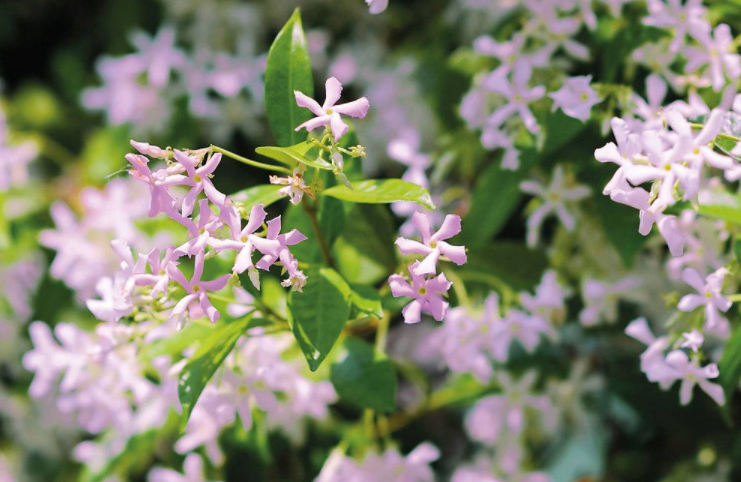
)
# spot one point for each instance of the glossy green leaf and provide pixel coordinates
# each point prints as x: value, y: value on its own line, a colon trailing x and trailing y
x: 318, y: 315
x: 174, y: 345
x: 206, y: 360
x: 265, y: 194
x: 495, y: 198
x: 620, y: 224
x: 365, y: 250
x: 366, y: 302
x: 304, y: 152
x: 730, y: 369
x: 382, y: 191
x: 512, y: 263
x: 365, y: 377
x: 288, y: 69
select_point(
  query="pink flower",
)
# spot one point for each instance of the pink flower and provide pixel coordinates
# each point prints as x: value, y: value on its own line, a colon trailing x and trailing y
x: 377, y: 6
x: 199, y: 180
x: 274, y: 247
x: 196, y: 300
x: 160, y: 198
x: 691, y: 374
x: 295, y: 186
x: 201, y: 233
x: 693, y: 340
x: 576, y: 98
x: 427, y: 294
x: 517, y: 94
x: 433, y: 245
x: 717, y: 51
x: 709, y: 295
x: 159, y: 278
x: 329, y: 113
x: 242, y: 241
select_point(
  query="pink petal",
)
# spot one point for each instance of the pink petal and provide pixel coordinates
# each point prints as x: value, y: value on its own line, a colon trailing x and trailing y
x: 333, y: 91
x: 303, y: 100
x: 339, y: 128
x: 357, y: 108
x: 450, y: 227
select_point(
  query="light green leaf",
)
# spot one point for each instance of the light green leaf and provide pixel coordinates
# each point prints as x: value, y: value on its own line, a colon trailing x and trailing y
x: 288, y: 69
x: 174, y: 345
x: 382, y: 191
x: 365, y: 377
x: 265, y: 194
x: 304, y: 152
x: 366, y: 302
x: 206, y: 360
x: 318, y: 315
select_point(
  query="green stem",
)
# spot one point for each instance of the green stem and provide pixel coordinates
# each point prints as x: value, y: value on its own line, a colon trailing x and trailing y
x: 323, y: 246
x: 250, y: 162
x: 735, y: 298
x: 697, y: 126
x: 458, y: 286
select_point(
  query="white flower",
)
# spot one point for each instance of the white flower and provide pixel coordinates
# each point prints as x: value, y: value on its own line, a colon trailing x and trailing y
x: 555, y: 197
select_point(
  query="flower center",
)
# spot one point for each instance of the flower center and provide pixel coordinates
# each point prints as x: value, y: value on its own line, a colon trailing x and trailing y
x: 584, y: 97
x: 708, y: 294
x: 422, y: 291
x: 197, y: 178
x: 196, y: 288
x: 242, y: 390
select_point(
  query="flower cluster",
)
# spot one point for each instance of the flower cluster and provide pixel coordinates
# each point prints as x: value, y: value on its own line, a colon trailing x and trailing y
x: 470, y: 339
x: 427, y: 287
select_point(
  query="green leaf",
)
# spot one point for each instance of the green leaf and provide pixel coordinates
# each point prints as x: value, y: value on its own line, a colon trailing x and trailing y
x: 514, y: 264
x: 366, y: 302
x: 206, y: 360
x: 304, y: 152
x: 620, y: 223
x: 730, y: 370
x: 495, y: 197
x: 265, y: 194
x: 580, y: 455
x: 365, y: 377
x: 288, y: 69
x: 382, y: 191
x: 365, y: 250
x: 318, y: 315
x: 174, y: 345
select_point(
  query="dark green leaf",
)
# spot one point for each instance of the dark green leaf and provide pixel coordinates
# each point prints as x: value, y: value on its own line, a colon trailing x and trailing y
x: 208, y: 357
x: 514, y: 264
x: 288, y: 69
x: 620, y: 223
x: 495, y: 197
x: 365, y: 251
x: 365, y: 377
x: 730, y: 369
x: 382, y: 191
x: 318, y: 315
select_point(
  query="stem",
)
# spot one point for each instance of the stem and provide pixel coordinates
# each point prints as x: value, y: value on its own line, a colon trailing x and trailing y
x: 440, y: 399
x: 459, y: 288
x: 721, y: 136
x: 734, y: 298
x: 311, y: 212
x: 250, y: 162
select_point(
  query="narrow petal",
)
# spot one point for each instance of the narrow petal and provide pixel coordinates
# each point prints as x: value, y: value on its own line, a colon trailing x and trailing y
x: 333, y: 92
x: 303, y: 100
x: 357, y: 108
